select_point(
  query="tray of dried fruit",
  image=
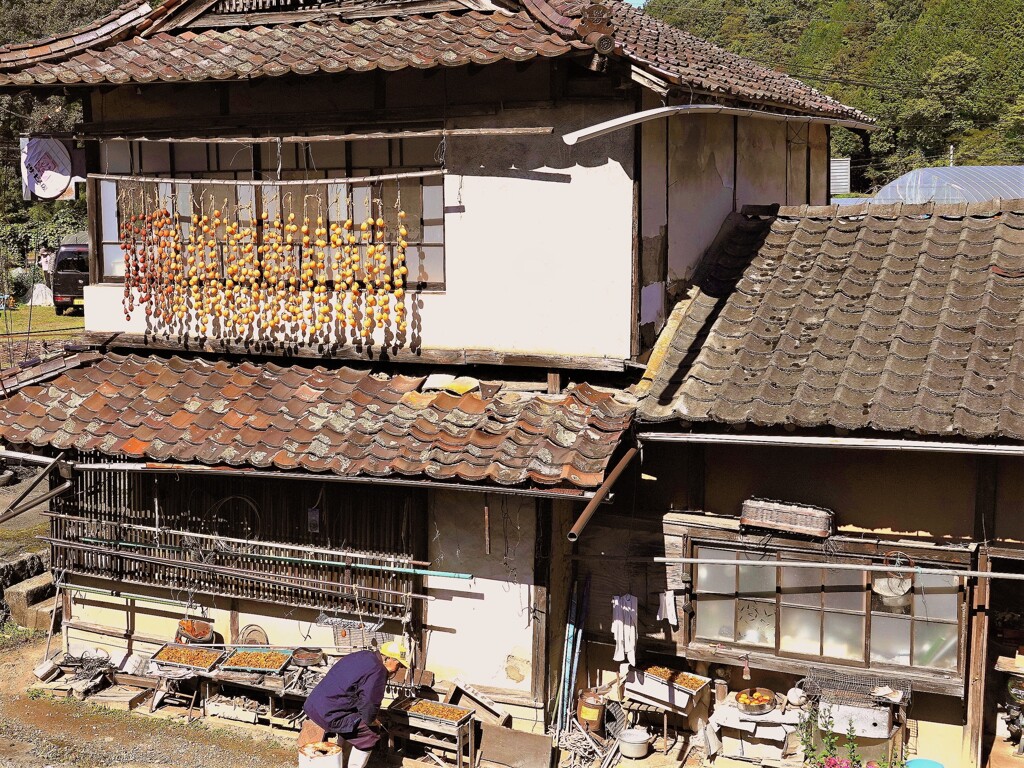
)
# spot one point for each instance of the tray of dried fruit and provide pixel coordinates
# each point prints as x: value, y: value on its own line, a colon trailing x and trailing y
x: 188, y: 656
x: 664, y: 687
x: 271, y: 661
x: 431, y: 711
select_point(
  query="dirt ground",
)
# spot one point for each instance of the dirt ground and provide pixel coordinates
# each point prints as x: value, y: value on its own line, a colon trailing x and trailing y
x: 40, y: 731
x: 19, y: 535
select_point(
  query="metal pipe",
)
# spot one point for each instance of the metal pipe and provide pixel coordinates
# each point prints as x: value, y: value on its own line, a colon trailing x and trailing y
x: 627, y: 121
x: 377, y: 135
x: 830, y: 566
x: 180, y: 469
x: 283, y: 559
x: 606, y: 486
x: 859, y: 443
x: 249, y: 542
x: 50, y: 465
x: 27, y: 458
x: 51, y: 494
x: 227, y: 571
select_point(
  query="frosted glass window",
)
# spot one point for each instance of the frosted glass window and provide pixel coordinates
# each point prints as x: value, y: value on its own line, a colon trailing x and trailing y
x: 113, y: 260
x: 433, y: 199
x: 844, y: 590
x: 720, y: 579
x: 890, y: 639
x: 755, y: 622
x: 936, y: 597
x: 800, y: 631
x: 935, y: 645
x: 757, y: 580
x: 716, y: 617
x: 108, y: 221
x: 843, y: 636
x: 116, y: 157
x: 801, y: 586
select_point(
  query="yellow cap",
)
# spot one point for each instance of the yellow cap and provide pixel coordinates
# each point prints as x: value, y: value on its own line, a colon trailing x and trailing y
x: 396, y: 650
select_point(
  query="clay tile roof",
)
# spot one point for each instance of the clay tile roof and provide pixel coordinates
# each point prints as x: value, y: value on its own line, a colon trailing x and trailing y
x: 890, y: 318
x: 112, y: 51
x: 444, y: 39
x: 295, y: 418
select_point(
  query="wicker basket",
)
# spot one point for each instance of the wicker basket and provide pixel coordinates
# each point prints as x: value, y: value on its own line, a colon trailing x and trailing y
x: 802, y: 519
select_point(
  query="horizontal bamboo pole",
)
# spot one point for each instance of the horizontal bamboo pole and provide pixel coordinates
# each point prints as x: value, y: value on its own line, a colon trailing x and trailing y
x: 355, y: 180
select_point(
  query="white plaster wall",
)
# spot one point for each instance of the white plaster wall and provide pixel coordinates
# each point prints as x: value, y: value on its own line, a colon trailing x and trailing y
x: 700, y: 187
x: 481, y: 630
x: 761, y: 165
x: 538, y: 242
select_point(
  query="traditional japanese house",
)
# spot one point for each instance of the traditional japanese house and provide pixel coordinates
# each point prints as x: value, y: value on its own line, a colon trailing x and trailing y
x: 865, y: 360
x: 449, y: 216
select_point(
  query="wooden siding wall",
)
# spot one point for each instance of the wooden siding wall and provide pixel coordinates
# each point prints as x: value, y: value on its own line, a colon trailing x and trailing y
x: 118, y: 510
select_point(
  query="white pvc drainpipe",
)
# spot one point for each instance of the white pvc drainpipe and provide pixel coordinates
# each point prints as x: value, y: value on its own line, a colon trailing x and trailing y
x: 862, y: 443
x: 841, y: 567
x: 626, y: 121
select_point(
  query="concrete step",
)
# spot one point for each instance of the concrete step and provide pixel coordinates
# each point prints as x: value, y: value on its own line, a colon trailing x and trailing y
x: 21, y: 597
x: 38, y: 616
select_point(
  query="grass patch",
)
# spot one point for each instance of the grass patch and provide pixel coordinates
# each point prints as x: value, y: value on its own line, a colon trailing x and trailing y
x: 43, y: 319
x: 11, y: 635
x: 18, y: 540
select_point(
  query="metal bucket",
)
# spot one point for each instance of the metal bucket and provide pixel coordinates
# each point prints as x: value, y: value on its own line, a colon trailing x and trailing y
x: 590, y: 711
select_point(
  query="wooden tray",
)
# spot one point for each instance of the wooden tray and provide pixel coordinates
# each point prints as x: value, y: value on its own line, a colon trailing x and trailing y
x: 194, y: 648
x: 228, y: 666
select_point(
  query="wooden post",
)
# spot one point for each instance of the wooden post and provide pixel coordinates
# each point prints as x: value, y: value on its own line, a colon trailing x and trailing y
x: 540, y: 603
x: 233, y: 622
x: 977, y: 667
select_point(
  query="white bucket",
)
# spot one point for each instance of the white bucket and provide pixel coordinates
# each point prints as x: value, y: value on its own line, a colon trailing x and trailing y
x: 634, y: 743
x: 322, y: 754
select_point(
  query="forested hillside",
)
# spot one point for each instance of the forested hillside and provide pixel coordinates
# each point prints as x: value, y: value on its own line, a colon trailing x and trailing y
x: 933, y: 72
x: 22, y: 226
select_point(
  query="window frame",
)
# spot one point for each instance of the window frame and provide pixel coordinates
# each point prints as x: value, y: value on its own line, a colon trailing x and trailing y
x: 753, y: 551
x: 300, y: 166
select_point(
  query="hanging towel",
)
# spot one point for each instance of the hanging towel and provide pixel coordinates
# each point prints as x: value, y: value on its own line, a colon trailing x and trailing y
x: 667, y: 608
x: 624, y: 628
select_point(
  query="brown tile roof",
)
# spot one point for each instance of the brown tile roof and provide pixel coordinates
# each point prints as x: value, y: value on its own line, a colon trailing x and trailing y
x: 890, y: 318
x: 541, y: 28
x: 690, y: 61
x: 391, y: 43
x: 129, y: 17
x: 344, y: 421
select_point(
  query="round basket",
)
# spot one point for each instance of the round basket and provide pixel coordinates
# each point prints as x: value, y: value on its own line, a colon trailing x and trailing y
x: 756, y: 709
x: 195, y: 631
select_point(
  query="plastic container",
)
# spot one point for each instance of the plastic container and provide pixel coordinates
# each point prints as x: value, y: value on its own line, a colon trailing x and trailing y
x: 590, y: 711
x: 321, y: 755
x: 922, y: 762
x: 634, y: 743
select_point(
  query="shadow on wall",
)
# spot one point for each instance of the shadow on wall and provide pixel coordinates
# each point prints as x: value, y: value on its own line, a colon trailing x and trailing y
x: 541, y: 157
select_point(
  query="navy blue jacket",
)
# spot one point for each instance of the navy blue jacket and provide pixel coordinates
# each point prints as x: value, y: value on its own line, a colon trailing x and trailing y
x: 351, y: 693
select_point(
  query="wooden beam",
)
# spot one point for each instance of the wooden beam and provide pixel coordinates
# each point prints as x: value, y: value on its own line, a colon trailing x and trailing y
x: 348, y: 352
x: 375, y: 135
x: 977, y: 668
x: 985, y: 498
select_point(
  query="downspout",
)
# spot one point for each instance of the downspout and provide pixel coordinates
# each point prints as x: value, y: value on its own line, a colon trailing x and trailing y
x: 591, y: 508
x: 627, y: 121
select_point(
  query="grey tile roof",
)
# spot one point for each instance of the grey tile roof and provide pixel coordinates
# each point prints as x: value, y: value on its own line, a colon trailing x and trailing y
x: 887, y: 317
